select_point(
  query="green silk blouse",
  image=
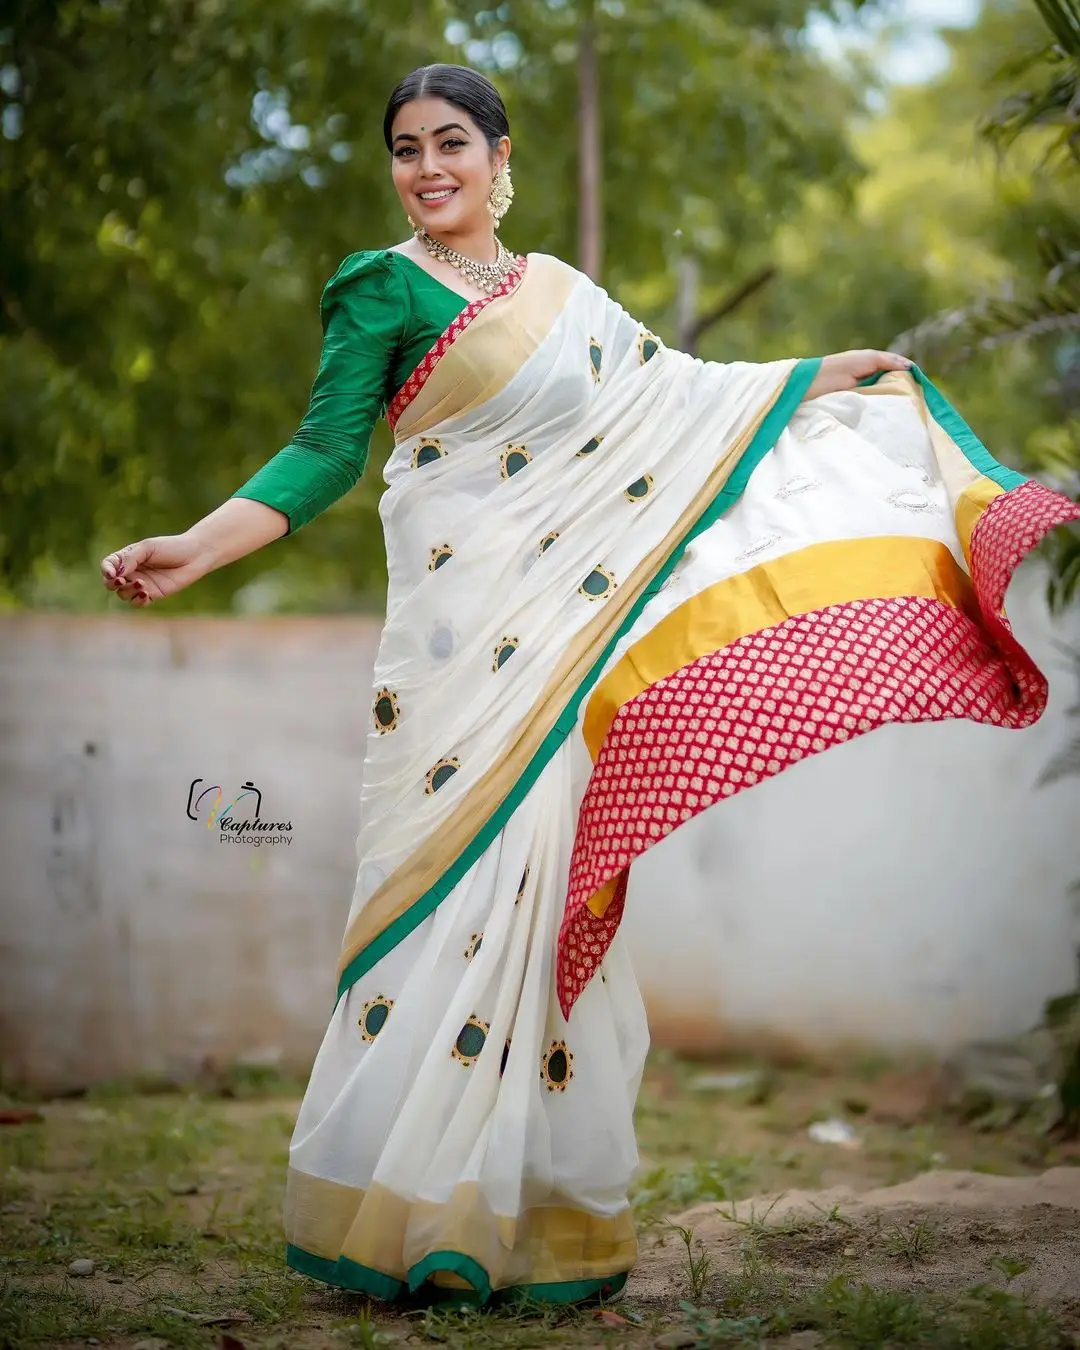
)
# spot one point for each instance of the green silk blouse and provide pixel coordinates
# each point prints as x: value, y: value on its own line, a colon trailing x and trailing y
x: 381, y: 313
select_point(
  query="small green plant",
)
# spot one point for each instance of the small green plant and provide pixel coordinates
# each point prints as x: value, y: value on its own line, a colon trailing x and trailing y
x: 759, y: 1285
x: 859, y: 1316
x: 715, y: 1332
x: 914, y: 1241
x: 1009, y: 1266
x: 362, y: 1334
x: 754, y: 1223
x: 698, y: 1263
x: 667, y: 1189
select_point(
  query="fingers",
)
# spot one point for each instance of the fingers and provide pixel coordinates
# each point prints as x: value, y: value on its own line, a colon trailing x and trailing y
x: 135, y: 593
x: 119, y: 573
x: 121, y: 565
x: 891, y: 361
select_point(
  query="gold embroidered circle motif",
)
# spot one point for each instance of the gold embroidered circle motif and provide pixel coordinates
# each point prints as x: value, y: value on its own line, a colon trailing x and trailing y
x: 548, y: 540
x: 385, y: 711
x: 639, y: 488
x: 474, y: 946
x: 513, y: 459
x: 439, y: 555
x: 427, y: 452
x: 589, y: 447
x: 558, y: 1067
x: 504, y: 650
x: 648, y: 344
x: 597, y: 584
x: 470, y: 1041
x: 374, y: 1015
x: 441, y: 773
x: 521, y: 887
x: 596, y: 356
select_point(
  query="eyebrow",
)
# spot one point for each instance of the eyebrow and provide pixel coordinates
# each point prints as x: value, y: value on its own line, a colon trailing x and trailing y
x: 408, y: 136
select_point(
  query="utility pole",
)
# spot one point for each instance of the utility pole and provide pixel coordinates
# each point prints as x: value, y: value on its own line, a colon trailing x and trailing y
x: 590, y: 204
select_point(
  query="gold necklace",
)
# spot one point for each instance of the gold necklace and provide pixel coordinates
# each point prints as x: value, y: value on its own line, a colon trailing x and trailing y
x: 486, y: 277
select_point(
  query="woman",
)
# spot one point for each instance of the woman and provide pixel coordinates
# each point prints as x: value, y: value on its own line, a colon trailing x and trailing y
x: 623, y: 584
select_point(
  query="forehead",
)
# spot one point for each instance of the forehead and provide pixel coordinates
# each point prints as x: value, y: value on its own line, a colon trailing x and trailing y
x: 429, y: 113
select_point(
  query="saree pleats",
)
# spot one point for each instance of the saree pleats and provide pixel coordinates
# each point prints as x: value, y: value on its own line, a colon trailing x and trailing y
x: 624, y: 585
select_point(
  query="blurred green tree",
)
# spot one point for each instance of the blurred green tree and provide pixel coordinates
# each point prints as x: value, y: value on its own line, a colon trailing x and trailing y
x: 942, y: 225
x: 1034, y: 124
x: 178, y: 181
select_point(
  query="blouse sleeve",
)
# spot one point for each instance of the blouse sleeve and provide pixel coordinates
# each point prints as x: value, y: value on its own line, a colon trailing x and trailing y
x: 363, y: 316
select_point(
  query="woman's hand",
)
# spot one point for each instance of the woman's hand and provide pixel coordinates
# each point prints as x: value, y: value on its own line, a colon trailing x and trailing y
x: 154, y: 568
x: 844, y: 370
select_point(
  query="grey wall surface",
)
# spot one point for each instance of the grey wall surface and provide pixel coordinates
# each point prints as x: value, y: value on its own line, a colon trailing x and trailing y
x: 908, y: 889
x: 131, y: 939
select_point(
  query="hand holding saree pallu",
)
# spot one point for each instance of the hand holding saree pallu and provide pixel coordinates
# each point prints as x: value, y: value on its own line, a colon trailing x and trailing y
x: 624, y: 584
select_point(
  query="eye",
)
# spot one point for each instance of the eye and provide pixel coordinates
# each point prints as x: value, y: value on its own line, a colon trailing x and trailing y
x: 452, y: 142
x: 403, y: 151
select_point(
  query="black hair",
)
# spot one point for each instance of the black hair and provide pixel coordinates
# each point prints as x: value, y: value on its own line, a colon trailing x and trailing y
x: 466, y: 89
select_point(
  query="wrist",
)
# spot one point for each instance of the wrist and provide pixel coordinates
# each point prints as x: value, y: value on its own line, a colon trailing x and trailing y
x: 823, y: 382
x: 203, y: 555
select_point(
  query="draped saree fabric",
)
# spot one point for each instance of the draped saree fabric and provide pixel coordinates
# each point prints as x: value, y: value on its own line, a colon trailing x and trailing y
x: 624, y: 584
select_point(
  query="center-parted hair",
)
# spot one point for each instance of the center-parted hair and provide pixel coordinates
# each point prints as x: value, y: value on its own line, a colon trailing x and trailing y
x: 466, y: 89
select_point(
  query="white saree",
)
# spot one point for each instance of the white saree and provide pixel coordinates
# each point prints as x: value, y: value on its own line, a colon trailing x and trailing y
x: 623, y: 584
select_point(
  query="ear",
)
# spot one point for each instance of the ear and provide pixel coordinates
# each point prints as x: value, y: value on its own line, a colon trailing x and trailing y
x: 501, y: 154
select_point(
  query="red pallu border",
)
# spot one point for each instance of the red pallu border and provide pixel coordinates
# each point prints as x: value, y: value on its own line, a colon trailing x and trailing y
x: 426, y: 368
x: 739, y: 715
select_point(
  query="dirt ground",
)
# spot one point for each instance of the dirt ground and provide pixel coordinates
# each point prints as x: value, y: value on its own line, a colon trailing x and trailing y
x: 946, y: 1231
x: 915, y: 1229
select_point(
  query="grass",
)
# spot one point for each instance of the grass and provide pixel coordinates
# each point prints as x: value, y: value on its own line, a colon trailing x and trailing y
x: 177, y: 1197
x: 698, y: 1263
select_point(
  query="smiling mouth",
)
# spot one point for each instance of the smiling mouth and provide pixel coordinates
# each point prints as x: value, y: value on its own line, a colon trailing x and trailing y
x: 441, y: 195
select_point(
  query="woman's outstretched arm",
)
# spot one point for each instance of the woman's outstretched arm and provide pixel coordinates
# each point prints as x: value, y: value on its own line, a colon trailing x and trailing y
x: 154, y: 568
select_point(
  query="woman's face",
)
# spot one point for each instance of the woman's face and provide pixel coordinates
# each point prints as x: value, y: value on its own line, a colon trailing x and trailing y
x: 443, y: 166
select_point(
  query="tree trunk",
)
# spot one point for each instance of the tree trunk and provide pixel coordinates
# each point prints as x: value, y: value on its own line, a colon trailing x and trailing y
x: 686, y: 334
x: 590, y: 224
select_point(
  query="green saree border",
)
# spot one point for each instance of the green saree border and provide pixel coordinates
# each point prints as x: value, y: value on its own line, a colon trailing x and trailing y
x: 954, y: 426
x: 346, y: 1274
x: 766, y: 436
x: 457, y: 1264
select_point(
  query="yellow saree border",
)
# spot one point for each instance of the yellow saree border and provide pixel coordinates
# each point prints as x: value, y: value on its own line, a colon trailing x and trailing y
x: 800, y: 582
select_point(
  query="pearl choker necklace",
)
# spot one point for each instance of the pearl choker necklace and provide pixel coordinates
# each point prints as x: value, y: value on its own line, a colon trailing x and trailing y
x: 486, y: 277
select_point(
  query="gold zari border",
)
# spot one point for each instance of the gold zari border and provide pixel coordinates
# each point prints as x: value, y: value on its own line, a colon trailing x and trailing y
x: 546, y: 1244
x: 494, y: 347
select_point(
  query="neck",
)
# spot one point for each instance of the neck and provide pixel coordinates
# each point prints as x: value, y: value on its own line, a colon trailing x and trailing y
x: 479, y: 244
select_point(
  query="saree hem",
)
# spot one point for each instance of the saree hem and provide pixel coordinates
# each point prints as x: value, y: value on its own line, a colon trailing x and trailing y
x: 351, y: 1275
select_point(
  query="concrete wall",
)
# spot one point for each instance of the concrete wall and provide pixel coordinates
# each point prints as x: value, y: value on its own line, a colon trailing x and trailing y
x: 910, y: 888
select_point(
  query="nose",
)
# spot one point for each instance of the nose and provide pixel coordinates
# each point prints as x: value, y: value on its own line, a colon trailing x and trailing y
x: 429, y: 165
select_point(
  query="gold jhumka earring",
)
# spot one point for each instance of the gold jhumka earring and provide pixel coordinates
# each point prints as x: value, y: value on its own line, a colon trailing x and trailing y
x: 502, y: 194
